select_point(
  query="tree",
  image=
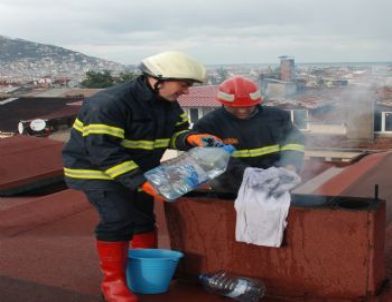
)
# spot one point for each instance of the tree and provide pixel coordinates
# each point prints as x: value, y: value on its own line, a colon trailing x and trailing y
x: 98, y: 79
x: 126, y: 77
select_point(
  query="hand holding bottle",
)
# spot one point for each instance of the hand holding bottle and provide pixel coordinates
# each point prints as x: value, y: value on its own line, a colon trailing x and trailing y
x: 177, y: 176
x: 204, y: 140
x: 148, y: 188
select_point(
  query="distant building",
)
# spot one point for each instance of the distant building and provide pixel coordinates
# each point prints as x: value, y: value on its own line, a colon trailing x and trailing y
x: 287, y: 68
x: 285, y: 85
x: 279, y: 89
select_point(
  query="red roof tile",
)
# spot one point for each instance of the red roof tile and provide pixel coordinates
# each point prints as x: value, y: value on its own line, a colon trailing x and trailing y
x: 200, y: 96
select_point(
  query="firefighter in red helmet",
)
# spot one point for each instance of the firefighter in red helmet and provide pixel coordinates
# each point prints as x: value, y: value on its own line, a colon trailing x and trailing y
x: 263, y: 136
x: 119, y: 134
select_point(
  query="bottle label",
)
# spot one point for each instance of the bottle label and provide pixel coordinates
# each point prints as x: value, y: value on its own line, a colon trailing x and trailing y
x: 239, y: 289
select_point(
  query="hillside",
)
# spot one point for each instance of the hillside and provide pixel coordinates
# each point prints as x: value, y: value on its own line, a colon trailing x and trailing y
x: 30, y: 59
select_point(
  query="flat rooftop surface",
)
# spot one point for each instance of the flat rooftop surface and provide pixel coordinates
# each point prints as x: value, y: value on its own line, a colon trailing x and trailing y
x: 47, y: 253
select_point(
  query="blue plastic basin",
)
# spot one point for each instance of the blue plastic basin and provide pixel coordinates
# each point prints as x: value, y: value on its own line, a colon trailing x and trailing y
x: 150, y: 271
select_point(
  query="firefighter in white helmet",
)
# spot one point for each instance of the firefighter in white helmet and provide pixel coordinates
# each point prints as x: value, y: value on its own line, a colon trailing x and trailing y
x: 119, y: 134
x: 263, y: 136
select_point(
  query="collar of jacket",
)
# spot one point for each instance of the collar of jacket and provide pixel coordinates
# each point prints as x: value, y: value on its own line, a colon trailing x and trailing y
x: 232, y: 116
x: 146, y: 92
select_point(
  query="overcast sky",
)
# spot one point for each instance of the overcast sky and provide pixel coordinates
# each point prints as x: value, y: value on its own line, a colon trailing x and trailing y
x: 214, y: 31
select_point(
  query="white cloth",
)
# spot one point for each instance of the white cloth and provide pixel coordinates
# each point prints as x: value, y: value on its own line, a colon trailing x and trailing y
x: 263, y: 204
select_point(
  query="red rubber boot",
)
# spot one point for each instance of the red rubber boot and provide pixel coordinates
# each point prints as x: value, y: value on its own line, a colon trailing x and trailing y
x: 145, y: 240
x: 113, y: 260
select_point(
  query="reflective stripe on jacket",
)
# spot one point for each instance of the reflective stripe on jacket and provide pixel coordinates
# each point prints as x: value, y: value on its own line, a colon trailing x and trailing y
x: 119, y: 134
x: 266, y: 139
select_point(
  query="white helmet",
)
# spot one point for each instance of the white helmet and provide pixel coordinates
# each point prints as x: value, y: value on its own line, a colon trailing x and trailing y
x: 173, y: 65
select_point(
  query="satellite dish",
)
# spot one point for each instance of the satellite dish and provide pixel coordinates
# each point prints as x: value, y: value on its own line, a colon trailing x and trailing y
x: 37, y: 125
x: 21, y: 128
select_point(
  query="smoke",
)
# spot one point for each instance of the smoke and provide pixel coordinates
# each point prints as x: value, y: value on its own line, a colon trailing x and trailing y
x: 344, y: 119
x: 345, y: 116
x: 358, y: 105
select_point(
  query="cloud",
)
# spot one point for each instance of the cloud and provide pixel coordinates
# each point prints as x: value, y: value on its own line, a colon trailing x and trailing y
x: 216, y: 31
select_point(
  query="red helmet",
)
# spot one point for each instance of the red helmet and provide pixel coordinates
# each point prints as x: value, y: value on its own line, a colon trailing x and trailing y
x: 239, y: 91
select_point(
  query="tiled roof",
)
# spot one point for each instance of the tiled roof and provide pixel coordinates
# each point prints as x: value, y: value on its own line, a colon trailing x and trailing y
x: 63, y: 92
x: 200, y: 96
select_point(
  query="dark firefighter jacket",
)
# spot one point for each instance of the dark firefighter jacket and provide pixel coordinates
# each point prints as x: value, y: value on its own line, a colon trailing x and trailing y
x: 266, y: 139
x: 119, y: 134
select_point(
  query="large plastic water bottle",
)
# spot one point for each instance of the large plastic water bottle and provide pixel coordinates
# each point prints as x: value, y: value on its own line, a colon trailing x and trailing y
x: 180, y: 175
x: 238, y: 288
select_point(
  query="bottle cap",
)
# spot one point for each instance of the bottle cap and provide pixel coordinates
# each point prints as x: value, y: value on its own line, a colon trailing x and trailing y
x: 229, y: 149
